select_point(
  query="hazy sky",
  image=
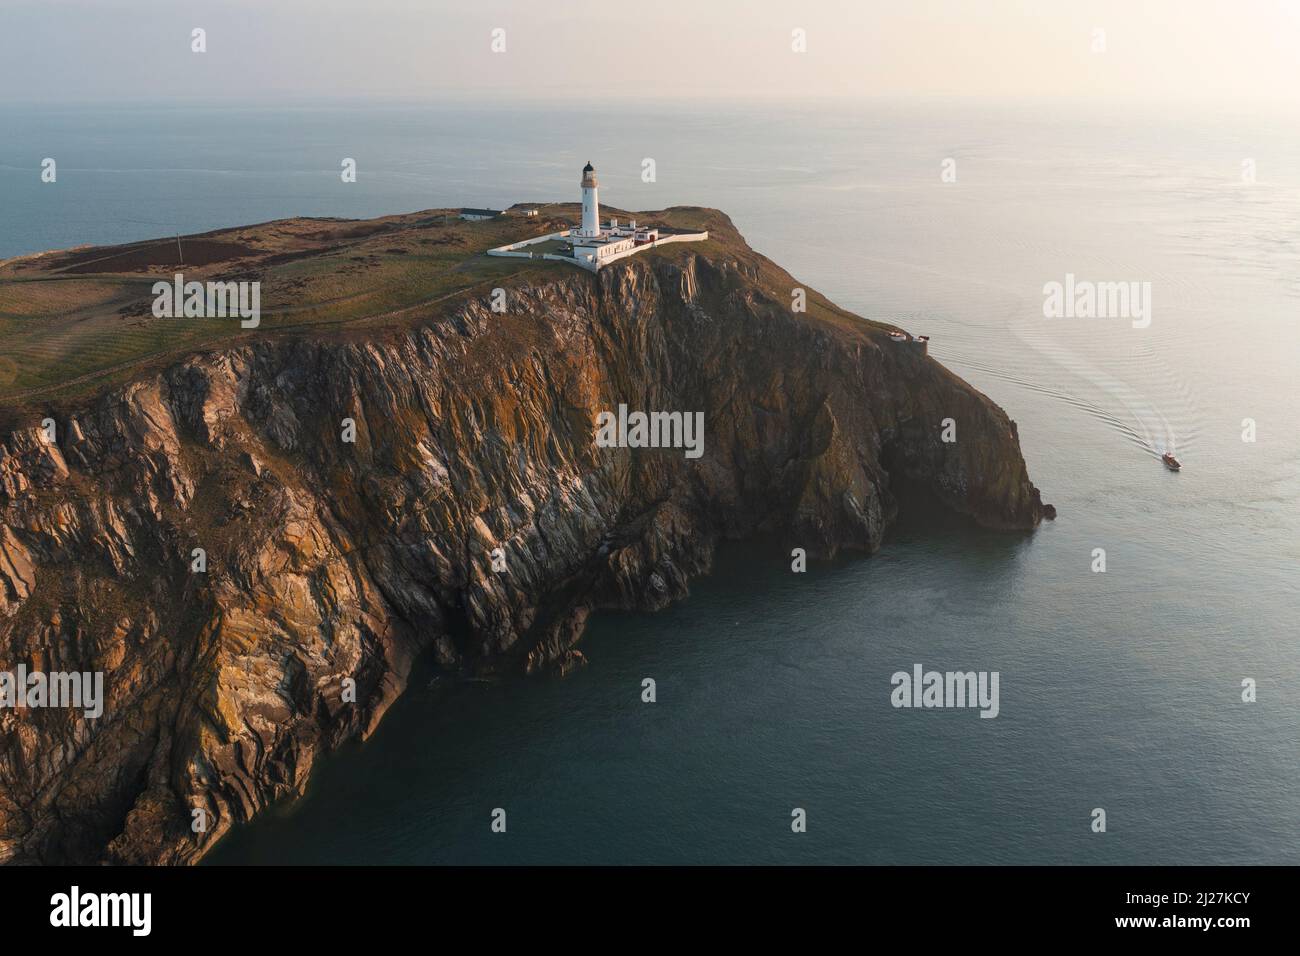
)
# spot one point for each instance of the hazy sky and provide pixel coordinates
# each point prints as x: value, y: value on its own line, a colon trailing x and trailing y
x: 1196, y: 50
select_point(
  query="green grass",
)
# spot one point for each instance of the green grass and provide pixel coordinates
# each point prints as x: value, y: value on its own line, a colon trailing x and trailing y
x: 65, y: 332
x: 58, y: 328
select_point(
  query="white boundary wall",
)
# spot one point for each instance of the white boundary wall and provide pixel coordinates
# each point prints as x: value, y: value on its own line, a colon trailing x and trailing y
x: 512, y: 249
x: 515, y: 249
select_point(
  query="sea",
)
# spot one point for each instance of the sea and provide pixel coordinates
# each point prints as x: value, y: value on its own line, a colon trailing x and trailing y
x: 1161, y: 691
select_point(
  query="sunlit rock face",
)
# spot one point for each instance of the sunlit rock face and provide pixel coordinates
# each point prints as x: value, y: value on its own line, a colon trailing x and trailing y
x: 471, y: 515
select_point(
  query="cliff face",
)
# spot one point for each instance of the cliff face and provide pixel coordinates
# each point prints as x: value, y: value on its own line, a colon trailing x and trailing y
x: 330, y: 561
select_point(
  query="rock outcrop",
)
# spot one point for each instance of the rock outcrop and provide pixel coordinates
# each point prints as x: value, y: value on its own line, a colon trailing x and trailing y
x: 255, y: 587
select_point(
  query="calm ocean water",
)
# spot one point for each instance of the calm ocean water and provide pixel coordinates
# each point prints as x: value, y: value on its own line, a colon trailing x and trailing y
x: 1118, y: 690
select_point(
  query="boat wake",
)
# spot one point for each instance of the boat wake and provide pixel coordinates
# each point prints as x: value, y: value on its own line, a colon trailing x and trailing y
x: 1132, y: 412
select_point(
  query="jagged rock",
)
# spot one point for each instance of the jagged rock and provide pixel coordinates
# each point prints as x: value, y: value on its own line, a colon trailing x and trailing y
x: 17, y: 576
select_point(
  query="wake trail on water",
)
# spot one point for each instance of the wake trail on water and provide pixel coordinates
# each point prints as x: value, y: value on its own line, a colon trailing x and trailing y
x: 1131, y: 411
x: 1118, y: 424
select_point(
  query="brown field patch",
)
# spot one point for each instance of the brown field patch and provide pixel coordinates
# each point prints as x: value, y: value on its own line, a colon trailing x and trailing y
x: 142, y: 256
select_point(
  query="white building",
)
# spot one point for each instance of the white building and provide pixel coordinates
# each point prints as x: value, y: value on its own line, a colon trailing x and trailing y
x: 477, y: 215
x: 594, y: 244
x: 591, y: 245
x: 596, y: 251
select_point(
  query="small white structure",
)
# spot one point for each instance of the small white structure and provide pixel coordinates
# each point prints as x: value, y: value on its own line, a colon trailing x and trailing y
x: 477, y: 215
x: 589, y: 244
x: 920, y: 342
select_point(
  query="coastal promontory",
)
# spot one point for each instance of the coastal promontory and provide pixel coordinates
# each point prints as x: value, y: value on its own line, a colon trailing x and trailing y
x: 253, y: 532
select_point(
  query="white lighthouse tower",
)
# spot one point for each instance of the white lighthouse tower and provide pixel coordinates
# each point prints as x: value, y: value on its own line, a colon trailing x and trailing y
x: 590, y: 204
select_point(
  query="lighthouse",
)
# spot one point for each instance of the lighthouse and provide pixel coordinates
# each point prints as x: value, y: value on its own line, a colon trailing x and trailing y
x: 590, y: 204
x: 589, y: 244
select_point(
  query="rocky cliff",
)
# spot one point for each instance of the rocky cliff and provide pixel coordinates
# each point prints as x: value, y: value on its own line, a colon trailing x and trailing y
x: 327, y: 565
